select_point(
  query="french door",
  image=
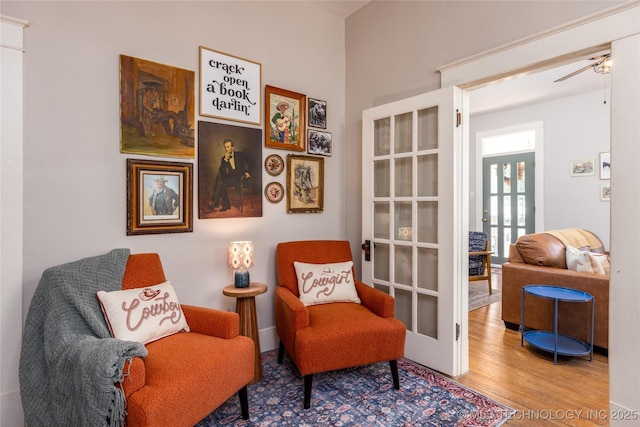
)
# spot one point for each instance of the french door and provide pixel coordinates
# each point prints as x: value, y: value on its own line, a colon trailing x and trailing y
x: 415, y: 221
x: 508, y: 188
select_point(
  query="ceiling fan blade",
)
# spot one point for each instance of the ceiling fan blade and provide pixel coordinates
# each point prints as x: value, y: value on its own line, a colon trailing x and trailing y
x: 585, y: 68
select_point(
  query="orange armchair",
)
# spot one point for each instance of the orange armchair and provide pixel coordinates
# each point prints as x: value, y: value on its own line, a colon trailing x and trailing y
x: 336, y: 335
x: 186, y: 376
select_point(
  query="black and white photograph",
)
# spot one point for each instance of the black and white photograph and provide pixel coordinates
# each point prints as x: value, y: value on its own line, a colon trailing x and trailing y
x: 317, y: 113
x: 319, y: 142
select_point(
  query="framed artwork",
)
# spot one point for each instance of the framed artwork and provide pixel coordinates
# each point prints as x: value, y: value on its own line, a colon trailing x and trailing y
x: 317, y: 113
x: 274, y: 192
x: 230, y: 87
x: 159, y: 197
x: 582, y: 168
x: 229, y: 171
x: 274, y: 165
x: 319, y: 142
x: 605, y: 165
x: 605, y: 192
x: 156, y: 109
x: 284, y: 119
x: 305, y: 184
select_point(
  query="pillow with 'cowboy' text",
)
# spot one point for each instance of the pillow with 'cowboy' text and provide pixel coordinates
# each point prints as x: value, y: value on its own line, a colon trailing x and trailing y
x: 143, y: 314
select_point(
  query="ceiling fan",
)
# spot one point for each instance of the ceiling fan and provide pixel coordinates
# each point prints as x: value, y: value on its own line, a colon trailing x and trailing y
x: 602, y: 65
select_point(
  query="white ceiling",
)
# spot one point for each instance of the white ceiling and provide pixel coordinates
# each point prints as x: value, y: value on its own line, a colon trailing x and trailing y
x: 538, y: 87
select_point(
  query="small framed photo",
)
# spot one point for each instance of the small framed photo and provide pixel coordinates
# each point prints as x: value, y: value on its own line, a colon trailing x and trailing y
x: 285, y: 119
x: 317, y: 113
x: 305, y: 184
x: 605, y: 165
x: 274, y: 192
x: 319, y: 142
x: 582, y: 167
x: 159, y: 197
x: 605, y: 192
x: 274, y: 165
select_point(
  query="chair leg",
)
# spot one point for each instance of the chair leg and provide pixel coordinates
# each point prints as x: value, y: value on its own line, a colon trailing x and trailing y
x: 308, y: 380
x: 244, y: 402
x: 394, y: 374
x: 280, y: 352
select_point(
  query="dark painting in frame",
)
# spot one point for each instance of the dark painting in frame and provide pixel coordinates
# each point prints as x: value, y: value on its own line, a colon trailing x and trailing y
x: 317, y: 114
x: 305, y: 184
x: 159, y: 197
x: 156, y: 109
x: 229, y: 188
x: 285, y: 119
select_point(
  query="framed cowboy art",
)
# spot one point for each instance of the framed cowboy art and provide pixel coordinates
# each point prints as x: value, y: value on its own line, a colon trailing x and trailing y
x: 285, y: 118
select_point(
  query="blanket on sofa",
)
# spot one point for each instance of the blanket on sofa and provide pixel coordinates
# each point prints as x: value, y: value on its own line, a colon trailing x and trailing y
x: 576, y: 237
x: 69, y: 365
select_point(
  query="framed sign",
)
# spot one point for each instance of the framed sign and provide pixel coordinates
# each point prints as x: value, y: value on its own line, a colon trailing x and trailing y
x: 159, y: 197
x: 285, y: 113
x: 230, y: 87
x: 305, y: 184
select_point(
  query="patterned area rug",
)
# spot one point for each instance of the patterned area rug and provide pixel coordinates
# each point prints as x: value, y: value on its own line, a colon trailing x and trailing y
x: 362, y: 396
x: 479, y: 295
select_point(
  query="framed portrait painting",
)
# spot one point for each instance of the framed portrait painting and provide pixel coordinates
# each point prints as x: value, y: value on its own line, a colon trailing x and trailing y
x: 305, y: 184
x: 229, y: 171
x: 159, y: 197
x: 285, y: 118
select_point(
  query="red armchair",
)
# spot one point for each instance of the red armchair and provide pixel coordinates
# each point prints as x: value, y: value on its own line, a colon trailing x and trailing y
x: 187, y: 375
x: 337, y: 335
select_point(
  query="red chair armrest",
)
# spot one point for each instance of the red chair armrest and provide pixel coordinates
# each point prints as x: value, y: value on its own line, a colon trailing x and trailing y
x: 375, y: 300
x: 291, y: 308
x: 134, y: 376
x: 209, y: 321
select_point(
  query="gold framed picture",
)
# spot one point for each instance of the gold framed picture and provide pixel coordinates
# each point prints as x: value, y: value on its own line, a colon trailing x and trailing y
x: 305, y: 184
x: 159, y: 197
x: 285, y: 118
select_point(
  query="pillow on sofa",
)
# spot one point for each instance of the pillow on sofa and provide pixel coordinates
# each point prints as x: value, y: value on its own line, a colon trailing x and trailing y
x: 143, y: 314
x: 324, y: 283
x: 590, y: 262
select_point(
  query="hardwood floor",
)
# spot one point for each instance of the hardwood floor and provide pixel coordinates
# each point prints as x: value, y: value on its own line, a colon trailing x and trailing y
x: 575, y: 392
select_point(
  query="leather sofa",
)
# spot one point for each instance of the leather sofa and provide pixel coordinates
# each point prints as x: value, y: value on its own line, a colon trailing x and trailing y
x: 540, y: 258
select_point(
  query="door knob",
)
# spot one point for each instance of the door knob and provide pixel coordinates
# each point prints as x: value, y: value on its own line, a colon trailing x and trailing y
x: 484, y: 220
x: 366, y: 247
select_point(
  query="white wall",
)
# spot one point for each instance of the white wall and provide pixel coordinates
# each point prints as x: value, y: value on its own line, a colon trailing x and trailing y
x: 575, y: 128
x: 74, y: 174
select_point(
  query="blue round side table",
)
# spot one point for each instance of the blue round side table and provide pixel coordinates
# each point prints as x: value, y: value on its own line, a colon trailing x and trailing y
x: 552, y: 341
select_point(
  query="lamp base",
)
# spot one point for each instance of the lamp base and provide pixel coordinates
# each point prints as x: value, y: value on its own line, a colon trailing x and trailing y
x: 241, y: 279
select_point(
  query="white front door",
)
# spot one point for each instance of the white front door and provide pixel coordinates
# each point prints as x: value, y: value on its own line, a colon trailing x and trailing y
x: 415, y: 218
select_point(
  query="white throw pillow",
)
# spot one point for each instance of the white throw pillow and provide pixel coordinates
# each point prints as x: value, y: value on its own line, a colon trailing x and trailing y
x: 591, y: 262
x: 324, y: 283
x: 143, y: 314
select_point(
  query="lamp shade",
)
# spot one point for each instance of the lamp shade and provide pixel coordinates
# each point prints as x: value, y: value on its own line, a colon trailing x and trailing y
x: 240, y: 255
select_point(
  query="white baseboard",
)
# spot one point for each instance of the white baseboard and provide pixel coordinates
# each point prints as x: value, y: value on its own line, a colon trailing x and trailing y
x: 268, y: 339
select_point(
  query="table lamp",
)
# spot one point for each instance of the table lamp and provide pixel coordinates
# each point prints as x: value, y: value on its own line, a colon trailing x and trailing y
x: 241, y: 258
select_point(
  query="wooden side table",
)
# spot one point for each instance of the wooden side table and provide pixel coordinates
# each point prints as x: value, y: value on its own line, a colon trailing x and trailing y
x: 246, y: 308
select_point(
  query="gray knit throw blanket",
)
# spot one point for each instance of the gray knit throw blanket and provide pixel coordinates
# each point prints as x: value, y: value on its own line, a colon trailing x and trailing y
x: 69, y: 365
